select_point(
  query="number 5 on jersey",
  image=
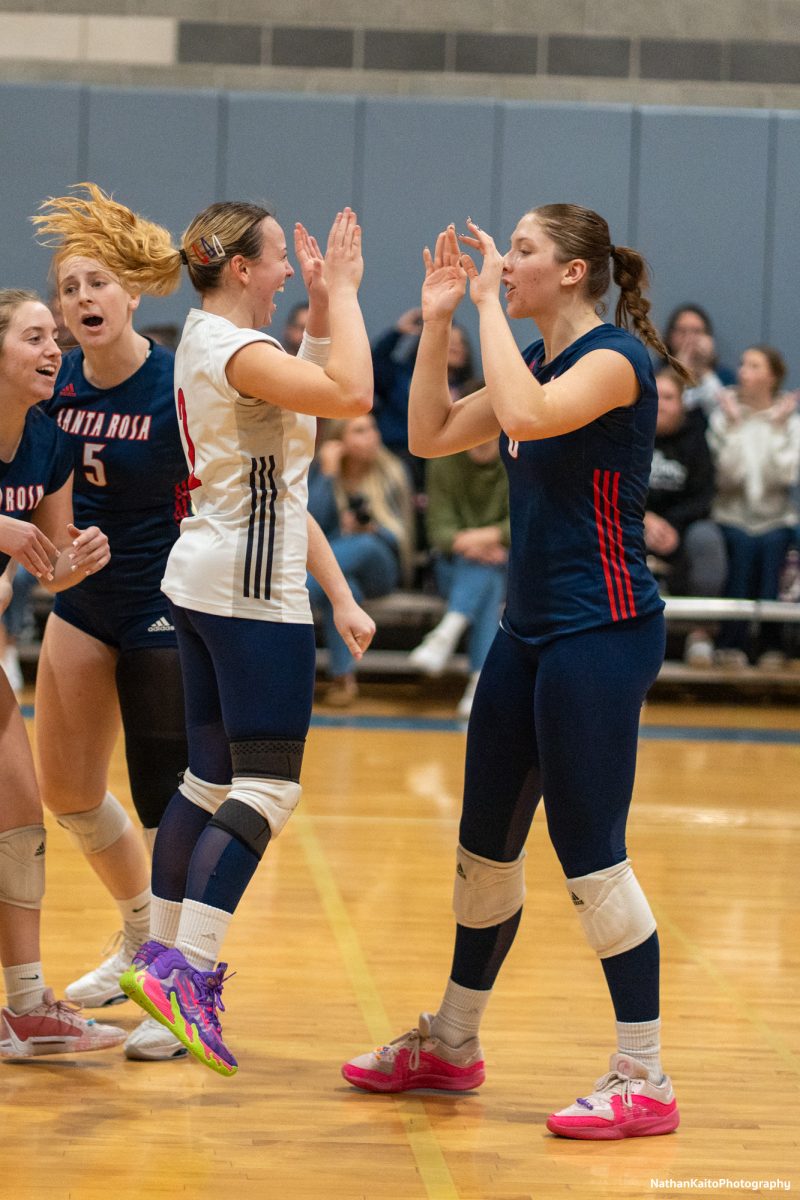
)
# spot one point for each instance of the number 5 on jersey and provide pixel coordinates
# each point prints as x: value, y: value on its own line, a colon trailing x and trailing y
x: 93, y: 467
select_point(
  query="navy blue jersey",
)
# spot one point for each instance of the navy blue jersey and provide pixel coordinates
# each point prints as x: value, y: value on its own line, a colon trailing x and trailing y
x: 42, y: 464
x: 129, y: 463
x: 577, y: 501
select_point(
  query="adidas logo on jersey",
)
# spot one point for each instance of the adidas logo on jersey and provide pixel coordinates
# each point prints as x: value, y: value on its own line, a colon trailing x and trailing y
x: 162, y: 625
x: 69, y: 390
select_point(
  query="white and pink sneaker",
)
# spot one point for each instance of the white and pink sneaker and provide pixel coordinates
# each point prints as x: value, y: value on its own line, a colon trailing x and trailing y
x: 53, y: 1027
x: 624, y: 1103
x: 418, y: 1060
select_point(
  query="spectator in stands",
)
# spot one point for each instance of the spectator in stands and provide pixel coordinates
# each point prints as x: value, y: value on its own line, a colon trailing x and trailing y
x: 754, y: 434
x: 295, y: 327
x: 690, y: 338
x: 469, y: 532
x: 393, y: 358
x: 686, y: 549
x: 360, y: 494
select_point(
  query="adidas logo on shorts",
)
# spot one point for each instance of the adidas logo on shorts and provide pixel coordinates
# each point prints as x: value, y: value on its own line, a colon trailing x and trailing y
x: 162, y: 625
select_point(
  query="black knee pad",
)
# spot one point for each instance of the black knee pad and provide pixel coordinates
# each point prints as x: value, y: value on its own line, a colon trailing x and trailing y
x: 150, y: 692
x: 244, y: 823
x: 268, y: 758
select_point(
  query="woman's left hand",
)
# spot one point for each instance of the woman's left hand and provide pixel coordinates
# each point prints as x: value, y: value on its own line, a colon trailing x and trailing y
x: 356, y: 628
x: 310, y: 259
x: 483, y: 284
x: 89, y: 551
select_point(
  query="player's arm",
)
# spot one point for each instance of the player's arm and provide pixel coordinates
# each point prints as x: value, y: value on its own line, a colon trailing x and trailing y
x: 355, y: 626
x: 81, y: 552
x: 7, y: 584
x: 343, y: 387
x: 28, y: 546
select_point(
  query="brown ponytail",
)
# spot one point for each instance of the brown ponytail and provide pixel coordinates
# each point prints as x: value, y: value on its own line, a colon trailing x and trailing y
x: 633, y: 308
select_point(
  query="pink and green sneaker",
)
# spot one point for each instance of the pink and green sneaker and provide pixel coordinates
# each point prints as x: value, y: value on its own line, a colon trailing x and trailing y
x: 184, y: 1000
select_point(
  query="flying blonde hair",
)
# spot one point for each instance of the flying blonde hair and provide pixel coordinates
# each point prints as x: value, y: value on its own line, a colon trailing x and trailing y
x: 137, y: 251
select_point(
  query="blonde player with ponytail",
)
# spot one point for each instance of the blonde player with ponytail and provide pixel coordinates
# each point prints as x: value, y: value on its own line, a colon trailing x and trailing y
x: 556, y: 711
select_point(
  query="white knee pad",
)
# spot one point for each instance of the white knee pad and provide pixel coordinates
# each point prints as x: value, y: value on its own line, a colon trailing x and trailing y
x: 22, y: 866
x: 97, y: 829
x: 274, y: 799
x: 613, y: 909
x: 487, y: 892
x: 207, y: 796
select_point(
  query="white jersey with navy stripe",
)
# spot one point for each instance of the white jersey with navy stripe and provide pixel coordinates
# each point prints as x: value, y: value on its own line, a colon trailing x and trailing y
x: 243, y: 551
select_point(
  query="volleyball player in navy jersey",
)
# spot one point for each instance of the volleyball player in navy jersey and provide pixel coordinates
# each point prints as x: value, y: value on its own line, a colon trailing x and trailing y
x: 36, y: 530
x: 110, y: 649
x: 556, y: 711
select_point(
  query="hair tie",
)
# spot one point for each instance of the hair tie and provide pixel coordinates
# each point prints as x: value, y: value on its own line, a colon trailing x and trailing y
x: 612, y: 250
x: 184, y: 259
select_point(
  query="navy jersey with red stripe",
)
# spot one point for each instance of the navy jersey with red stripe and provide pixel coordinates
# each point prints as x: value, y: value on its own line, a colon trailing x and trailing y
x: 41, y: 465
x: 130, y: 470
x: 577, y: 557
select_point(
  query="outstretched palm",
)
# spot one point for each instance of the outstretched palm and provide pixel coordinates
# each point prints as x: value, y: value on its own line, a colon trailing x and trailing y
x: 445, y: 279
x: 310, y: 259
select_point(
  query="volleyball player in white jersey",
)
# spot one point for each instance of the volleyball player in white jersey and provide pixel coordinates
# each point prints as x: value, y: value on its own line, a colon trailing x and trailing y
x: 236, y: 576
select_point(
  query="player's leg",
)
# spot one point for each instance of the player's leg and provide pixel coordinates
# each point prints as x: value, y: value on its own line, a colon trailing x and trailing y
x: 254, y: 662
x: 77, y: 721
x: 32, y: 1021
x: 150, y: 691
x: 500, y: 797
x: 590, y: 693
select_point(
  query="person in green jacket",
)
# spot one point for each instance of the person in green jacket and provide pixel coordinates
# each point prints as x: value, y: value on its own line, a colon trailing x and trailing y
x: 468, y: 531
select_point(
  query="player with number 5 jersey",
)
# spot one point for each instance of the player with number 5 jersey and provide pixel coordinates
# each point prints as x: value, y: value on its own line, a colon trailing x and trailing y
x: 110, y: 650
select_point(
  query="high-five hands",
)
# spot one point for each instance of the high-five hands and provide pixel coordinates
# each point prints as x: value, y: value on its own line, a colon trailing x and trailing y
x: 344, y: 264
x: 483, y: 284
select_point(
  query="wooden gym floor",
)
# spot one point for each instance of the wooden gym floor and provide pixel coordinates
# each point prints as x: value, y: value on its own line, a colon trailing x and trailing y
x: 345, y: 934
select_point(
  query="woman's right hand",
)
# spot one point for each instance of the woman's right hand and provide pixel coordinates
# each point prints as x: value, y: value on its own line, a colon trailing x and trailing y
x: 28, y: 546
x: 445, y: 279
x: 344, y: 264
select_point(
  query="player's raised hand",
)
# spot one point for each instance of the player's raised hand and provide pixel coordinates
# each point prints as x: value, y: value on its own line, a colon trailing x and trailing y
x: 484, y: 284
x: 445, y: 278
x: 310, y: 260
x: 344, y: 264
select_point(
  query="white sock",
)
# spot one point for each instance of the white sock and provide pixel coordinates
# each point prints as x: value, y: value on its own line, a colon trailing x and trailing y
x: 165, y: 917
x: 24, y: 986
x: 136, y: 918
x: 459, y: 1015
x: 642, y: 1040
x: 201, y: 933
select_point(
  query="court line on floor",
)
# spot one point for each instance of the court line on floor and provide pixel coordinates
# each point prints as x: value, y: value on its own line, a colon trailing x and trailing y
x: 648, y: 733
x: 722, y: 983
x: 428, y: 1155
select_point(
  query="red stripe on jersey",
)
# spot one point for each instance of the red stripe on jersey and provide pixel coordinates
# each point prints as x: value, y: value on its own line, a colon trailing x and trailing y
x: 601, y: 540
x: 608, y: 516
x: 625, y: 572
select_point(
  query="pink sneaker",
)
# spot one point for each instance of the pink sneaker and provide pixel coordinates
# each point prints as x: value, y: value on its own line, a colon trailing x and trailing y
x: 53, y: 1027
x: 624, y: 1104
x: 418, y: 1060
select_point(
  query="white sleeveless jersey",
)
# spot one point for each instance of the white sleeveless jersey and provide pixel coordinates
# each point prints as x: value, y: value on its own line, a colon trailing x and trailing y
x: 243, y: 551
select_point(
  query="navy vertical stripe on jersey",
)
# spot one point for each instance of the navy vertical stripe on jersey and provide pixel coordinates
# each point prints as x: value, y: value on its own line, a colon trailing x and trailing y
x: 577, y: 559
x: 258, y: 522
